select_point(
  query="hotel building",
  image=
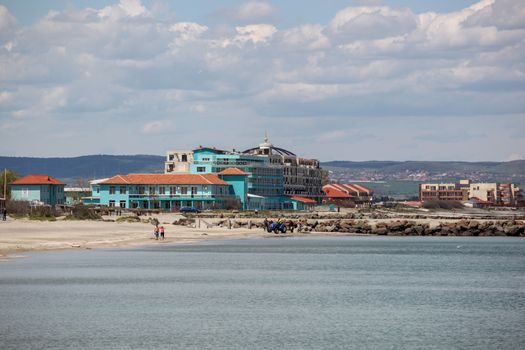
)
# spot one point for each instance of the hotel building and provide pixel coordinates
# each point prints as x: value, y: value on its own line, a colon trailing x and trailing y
x: 498, y: 194
x: 276, y: 178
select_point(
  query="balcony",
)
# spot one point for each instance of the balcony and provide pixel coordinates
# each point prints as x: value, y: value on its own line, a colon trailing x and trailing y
x: 178, y: 196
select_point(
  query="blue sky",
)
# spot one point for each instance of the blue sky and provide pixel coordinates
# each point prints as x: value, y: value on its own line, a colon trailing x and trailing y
x: 345, y: 80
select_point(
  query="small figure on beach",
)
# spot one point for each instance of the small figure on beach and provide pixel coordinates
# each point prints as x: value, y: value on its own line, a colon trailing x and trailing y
x: 266, y: 224
x: 161, y: 230
x: 4, y: 214
x: 156, y: 232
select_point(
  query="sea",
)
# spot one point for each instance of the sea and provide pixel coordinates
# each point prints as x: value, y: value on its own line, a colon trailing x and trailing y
x: 271, y: 293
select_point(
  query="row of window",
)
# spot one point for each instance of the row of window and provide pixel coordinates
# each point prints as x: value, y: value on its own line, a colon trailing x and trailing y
x: 162, y: 190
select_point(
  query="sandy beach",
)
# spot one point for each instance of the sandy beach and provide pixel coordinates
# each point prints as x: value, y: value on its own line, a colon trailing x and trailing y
x: 21, y: 235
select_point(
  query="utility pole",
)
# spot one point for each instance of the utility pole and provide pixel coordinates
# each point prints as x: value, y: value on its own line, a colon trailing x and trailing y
x: 5, y: 183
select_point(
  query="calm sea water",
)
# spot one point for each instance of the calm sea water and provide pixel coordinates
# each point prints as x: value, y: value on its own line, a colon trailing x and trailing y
x: 293, y: 293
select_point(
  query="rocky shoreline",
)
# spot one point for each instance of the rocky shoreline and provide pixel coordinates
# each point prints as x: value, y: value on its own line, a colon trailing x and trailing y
x: 382, y: 227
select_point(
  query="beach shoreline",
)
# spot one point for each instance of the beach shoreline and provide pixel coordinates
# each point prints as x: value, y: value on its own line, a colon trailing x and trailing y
x: 18, y: 236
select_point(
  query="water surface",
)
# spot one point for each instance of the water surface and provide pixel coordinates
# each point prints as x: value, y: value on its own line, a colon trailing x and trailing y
x: 293, y: 293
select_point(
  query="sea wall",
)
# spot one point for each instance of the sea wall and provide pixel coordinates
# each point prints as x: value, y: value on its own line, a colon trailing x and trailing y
x: 464, y: 227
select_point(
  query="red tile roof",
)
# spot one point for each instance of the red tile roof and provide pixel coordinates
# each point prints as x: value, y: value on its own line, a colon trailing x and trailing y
x: 37, y: 180
x: 233, y: 171
x: 333, y: 193
x: 351, y: 189
x: 303, y: 200
x: 165, y: 179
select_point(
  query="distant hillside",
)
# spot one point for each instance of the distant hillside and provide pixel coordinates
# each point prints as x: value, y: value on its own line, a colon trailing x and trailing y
x: 90, y: 167
x: 427, y: 170
x: 99, y: 166
x: 445, y: 166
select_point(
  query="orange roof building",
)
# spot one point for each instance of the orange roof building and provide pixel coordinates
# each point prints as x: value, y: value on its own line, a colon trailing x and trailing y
x: 37, y: 180
x: 38, y: 189
x: 348, y: 194
x: 165, y: 179
x: 168, y: 192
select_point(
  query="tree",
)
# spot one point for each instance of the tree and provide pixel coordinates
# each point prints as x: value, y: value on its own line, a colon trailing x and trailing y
x: 11, y: 176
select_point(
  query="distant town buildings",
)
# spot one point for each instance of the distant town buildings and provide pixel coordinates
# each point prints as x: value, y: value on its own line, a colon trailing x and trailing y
x: 498, y: 194
x: 42, y: 189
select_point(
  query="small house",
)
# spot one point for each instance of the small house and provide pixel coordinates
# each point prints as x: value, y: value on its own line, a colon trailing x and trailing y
x: 38, y: 188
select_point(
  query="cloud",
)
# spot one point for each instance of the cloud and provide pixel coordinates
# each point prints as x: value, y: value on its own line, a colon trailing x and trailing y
x: 157, y: 127
x: 255, y: 33
x: 255, y: 11
x: 124, y: 65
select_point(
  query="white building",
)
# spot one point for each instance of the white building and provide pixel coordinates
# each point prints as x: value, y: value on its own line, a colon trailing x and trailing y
x: 178, y: 161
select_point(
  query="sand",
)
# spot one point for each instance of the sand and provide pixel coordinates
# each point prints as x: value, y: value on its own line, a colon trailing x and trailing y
x: 22, y: 235
x: 19, y: 236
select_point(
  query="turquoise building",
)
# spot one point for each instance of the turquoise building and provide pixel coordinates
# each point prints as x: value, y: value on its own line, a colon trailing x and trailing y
x: 167, y: 192
x: 264, y: 181
x: 38, y: 188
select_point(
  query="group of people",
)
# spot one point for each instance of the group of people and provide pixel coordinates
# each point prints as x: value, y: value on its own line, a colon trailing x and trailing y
x: 158, y: 231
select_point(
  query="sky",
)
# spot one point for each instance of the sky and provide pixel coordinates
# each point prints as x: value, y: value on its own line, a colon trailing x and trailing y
x: 333, y: 80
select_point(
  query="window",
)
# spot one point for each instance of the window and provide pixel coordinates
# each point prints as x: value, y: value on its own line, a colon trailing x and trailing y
x: 205, y: 159
x: 172, y: 190
x: 152, y: 190
x: 98, y: 189
x: 122, y: 190
x: 112, y: 203
x: 122, y: 204
x: 184, y: 190
x: 184, y: 158
x: 112, y: 191
x: 201, y: 169
x: 141, y: 189
x: 162, y: 190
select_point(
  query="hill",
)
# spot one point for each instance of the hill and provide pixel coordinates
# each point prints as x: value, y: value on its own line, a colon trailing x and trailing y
x: 427, y: 170
x: 100, y: 166
x: 89, y: 167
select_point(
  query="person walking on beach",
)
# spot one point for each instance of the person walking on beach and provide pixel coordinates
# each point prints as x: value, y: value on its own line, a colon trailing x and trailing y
x: 161, y: 230
x: 156, y: 232
x: 4, y: 214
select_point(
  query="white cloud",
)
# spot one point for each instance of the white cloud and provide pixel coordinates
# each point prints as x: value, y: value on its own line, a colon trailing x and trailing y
x: 129, y: 8
x: 122, y: 64
x: 188, y: 30
x: 309, y: 35
x: 371, y: 22
x: 7, y: 22
x: 255, y: 33
x: 255, y: 11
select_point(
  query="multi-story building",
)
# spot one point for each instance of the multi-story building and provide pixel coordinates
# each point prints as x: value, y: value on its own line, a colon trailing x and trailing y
x: 38, y: 188
x: 504, y: 194
x: 264, y: 178
x: 274, y: 175
x: 165, y: 191
x: 443, y: 192
x: 302, y: 177
x: 178, y: 161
